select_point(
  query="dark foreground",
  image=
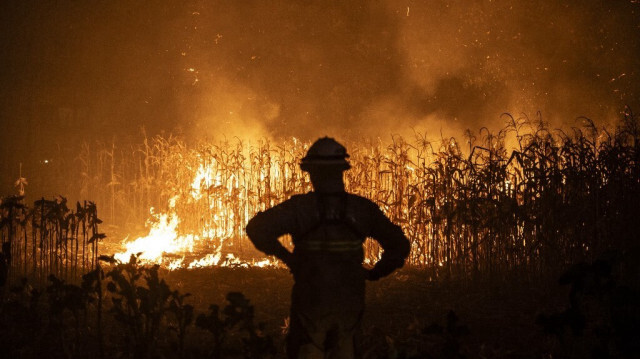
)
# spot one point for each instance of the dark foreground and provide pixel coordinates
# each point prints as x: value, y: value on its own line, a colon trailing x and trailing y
x: 410, y: 314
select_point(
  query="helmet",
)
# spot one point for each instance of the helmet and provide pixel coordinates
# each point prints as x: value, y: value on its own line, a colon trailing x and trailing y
x: 325, y: 152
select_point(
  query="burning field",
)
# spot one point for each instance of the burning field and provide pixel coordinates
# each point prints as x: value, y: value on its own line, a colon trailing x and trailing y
x: 139, y: 138
x: 493, y: 202
x: 521, y: 205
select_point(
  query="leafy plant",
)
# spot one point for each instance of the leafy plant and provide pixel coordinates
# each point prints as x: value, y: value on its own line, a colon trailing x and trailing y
x: 602, y: 318
x: 237, y: 314
x: 433, y: 341
x: 183, y: 314
x: 21, y: 321
x: 140, y: 309
x: 451, y: 334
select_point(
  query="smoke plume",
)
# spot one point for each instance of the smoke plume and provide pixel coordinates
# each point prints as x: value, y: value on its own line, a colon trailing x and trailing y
x: 309, y: 68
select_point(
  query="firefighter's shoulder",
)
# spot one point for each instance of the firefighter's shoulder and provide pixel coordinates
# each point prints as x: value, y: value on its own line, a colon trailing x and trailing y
x: 298, y: 200
x: 290, y: 206
x: 362, y: 204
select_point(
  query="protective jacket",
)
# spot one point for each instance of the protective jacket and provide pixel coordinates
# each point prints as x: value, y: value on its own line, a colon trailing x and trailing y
x: 328, y: 230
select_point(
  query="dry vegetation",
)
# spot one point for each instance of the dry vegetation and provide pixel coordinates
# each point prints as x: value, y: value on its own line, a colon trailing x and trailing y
x: 489, y: 227
x: 48, y: 239
x: 467, y: 206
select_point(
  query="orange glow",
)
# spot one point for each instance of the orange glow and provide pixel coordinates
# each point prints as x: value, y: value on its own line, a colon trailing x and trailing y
x: 165, y: 240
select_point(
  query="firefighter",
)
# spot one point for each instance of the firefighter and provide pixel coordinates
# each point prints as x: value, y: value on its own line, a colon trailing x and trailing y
x: 328, y: 227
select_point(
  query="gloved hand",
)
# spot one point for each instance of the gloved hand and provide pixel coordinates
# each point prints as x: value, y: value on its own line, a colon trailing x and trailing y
x: 289, y: 259
x: 371, y: 274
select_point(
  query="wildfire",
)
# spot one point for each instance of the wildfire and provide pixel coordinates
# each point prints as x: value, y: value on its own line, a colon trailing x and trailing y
x: 164, y: 242
x: 203, y: 180
x: 162, y: 238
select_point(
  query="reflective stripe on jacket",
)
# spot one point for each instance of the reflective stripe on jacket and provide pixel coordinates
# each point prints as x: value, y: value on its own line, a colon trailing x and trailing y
x: 333, y: 215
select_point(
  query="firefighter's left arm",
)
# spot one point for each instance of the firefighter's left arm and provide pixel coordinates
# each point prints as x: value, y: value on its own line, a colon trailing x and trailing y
x: 394, y: 243
x: 266, y: 227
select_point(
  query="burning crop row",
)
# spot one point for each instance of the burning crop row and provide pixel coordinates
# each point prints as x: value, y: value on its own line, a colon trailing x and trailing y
x: 553, y: 198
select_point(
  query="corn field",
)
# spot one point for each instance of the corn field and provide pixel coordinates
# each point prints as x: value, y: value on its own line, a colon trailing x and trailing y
x: 473, y: 205
x: 48, y: 238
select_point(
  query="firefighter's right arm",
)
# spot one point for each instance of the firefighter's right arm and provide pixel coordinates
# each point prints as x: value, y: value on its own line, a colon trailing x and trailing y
x: 394, y: 243
x: 266, y: 227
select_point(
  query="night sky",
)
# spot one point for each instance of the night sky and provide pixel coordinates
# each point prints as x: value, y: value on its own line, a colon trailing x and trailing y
x: 97, y: 70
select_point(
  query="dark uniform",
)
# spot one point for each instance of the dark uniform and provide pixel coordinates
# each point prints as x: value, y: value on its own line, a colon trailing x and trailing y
x: 327, y: 300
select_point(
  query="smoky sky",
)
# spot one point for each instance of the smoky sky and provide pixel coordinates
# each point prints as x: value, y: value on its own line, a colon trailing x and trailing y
x: 102, y: 69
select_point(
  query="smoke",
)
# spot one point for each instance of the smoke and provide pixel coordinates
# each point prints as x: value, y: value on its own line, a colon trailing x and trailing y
x: 467, y: 62
x: 310, y: 68
x: 372, y: 68
x: 292, y: 68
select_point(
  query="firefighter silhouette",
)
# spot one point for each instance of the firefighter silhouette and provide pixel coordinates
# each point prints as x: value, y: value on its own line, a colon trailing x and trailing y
x: 328, y: 227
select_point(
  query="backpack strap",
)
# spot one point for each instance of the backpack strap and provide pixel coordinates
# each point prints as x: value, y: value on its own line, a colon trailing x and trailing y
x: 324, y: 221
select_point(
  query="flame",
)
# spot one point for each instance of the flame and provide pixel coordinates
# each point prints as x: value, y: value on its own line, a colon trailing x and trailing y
x: 204, y: 178
x: 176, y: 264
x: 209, y: 260
x: 164, y: 242
x: 162, y: 238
